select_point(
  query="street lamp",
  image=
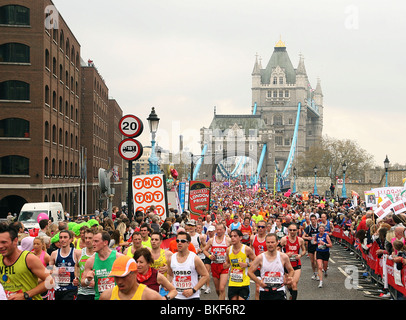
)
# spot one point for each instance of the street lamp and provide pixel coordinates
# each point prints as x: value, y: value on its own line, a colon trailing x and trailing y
x: 344, y: 191
x: 315, y: 180
x: 266, y: 181
x: 294, y: 180
x: 386, y: 164
x: 279, y: 184
x: 153, y: 122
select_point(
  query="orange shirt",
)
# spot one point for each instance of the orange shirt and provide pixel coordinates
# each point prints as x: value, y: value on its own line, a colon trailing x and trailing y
x: 173, y: 247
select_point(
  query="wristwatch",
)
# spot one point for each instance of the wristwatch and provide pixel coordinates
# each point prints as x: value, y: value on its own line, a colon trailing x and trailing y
x: 26, y: 296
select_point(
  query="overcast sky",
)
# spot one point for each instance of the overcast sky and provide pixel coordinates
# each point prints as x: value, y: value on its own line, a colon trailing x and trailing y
x: 184, y: 57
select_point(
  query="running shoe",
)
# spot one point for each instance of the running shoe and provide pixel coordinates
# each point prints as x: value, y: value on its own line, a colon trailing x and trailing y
x: 321, y: 284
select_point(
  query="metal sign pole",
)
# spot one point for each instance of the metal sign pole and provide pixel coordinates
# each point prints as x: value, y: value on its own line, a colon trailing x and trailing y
x: 130, y: 190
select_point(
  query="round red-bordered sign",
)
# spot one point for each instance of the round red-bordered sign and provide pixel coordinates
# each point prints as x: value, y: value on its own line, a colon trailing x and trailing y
x: 130, y: 149
x: 130, y: 126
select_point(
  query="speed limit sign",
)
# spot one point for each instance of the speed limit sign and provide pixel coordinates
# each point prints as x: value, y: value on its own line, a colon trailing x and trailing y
x: 130, y: 126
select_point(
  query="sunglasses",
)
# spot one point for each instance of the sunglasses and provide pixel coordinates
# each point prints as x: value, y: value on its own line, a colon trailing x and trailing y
x: 292, y: 229
x: 181, y: 240
x: 261, y: 227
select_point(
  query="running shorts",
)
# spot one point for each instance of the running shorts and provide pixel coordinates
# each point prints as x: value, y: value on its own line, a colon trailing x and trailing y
x: 217, y: 269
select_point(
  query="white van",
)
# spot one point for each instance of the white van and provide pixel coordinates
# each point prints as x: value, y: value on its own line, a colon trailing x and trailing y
x: 30, y: 211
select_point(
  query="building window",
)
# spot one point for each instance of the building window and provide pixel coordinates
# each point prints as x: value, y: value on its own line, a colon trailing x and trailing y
x: 46, y: 166
x: 275, y: 93
x: 269, y: 93
x: 290, y: 121
x: 46, y: 130
x: 14, y: 128
x: 286, y: 93
x: 15, y: 15
x: 14, y: 165
x: 280, y: 94
x: 275, y: 80
x: 280, y: 80
x: 287, y: 141
x: 278, y: 140
x: 277, y: 120
x: 14, y: 90
x: 14, y: 52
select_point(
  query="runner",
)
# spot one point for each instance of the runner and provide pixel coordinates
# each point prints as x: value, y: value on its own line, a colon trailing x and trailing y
x: 146, y: 240
x: 322, y: 252
x: 259, y: 246
x: 124, y: 274
x: 207, y: 261
x: 247, y: 231
x: 85, y: 292
x: 99, y: 265
x: 292, y: 245
x: 160, y: 257
x: 64, y: 261
x: 215, y: 250
x: 279, y: 229
x: 309, y: 235
x: 20, y: 270
x: 150, y: 276
x: 272, y: 264
x: 185, y: 267
x: 136, y: 244
x: 238, y: 256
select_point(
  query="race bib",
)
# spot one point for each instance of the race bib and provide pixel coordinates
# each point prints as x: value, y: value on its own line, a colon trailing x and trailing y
x: 237, y: 275
x: 183, y: 282
x: 272, y: 278
x: 105, y: 283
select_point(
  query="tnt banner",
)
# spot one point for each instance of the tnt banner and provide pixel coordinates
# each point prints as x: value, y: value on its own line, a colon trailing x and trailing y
x: 199, y: 197
x: 150, y: 190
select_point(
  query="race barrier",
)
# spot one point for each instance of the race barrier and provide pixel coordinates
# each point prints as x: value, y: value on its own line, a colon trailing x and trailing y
x: 382, y: 269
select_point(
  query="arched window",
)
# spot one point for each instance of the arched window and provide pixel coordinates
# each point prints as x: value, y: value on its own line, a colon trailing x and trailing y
x: 54, y: 133
x: 67, y: 50
x: 14, y: 52
x: 53, y: 167
x: 47, y: 94
x: 15, y: 15
x: 14, y: 128
x: 14, y: 165
x: 14, y: 90
x: 46, y: 130
x: 47, y: 58
x: 61, y: 40
x: 46, y: 166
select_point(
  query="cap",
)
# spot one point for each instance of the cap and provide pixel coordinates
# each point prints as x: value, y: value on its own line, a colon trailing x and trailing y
x: 191, y: 223
x: 211, y: 228
x: 122, y: 266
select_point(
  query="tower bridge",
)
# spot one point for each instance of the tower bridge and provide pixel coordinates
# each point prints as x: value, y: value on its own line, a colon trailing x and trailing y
x: 286, y: 119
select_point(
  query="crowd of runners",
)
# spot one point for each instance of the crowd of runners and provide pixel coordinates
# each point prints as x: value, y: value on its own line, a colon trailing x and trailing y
x: 247, y: 238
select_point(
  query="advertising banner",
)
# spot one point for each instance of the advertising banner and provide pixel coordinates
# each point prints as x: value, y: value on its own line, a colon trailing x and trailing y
x: 199, y: 197
x: 150, y: 190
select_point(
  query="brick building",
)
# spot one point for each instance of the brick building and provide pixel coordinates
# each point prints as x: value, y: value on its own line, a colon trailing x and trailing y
x: 41, y: 109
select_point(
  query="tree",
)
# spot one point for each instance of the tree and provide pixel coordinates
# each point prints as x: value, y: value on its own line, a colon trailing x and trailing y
x: 329, y: 155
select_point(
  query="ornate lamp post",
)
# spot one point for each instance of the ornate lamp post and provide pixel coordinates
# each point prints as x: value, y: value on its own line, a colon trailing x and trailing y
x: 344, y: 191
x: 294, y: 180
x: 386, y: 164
x: 153, y: 122
x: 315, y: 180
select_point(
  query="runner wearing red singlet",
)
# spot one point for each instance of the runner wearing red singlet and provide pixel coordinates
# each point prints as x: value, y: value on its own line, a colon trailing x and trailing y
x: 246, y: 230
x: 291, y: 245
x: 215, y: 250
x: 259, y: 245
